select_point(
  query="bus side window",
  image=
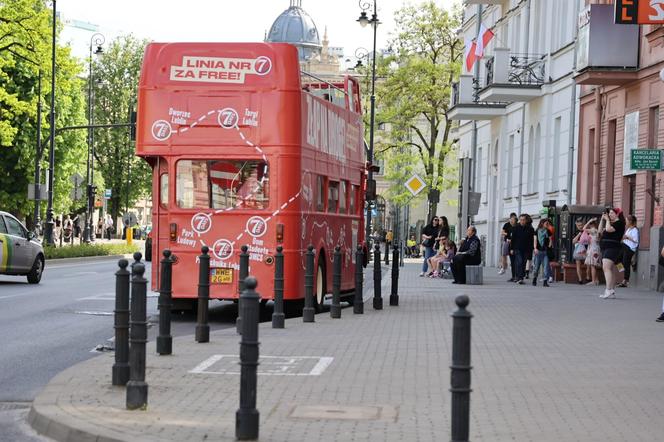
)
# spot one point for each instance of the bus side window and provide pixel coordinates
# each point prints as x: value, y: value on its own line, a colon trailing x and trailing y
x: 353, y: 198
x: 163, y: 189
x: 332, y: 196
x: 343, y: 195
x: 320, y: 192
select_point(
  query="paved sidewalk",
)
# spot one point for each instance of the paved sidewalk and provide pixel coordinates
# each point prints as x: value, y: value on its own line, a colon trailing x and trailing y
x: 556, y: 364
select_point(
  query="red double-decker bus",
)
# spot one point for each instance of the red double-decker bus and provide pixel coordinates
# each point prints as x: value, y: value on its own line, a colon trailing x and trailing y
x: 247, y: 150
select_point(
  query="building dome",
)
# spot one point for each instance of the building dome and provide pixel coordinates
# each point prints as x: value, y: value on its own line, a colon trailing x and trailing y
x: 296, y: 27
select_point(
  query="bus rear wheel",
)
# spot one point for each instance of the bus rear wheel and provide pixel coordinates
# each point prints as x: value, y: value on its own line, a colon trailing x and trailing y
x: 319, y: 295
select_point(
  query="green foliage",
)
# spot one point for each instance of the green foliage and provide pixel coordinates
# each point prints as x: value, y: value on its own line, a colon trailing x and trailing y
x: 83, y: 250
x: 115, y: 84
x: 25, y: 51
x: 414, y: 98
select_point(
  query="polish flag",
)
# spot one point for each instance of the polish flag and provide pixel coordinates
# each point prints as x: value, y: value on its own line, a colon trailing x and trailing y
x: 483, y: 38
x: 469, y: 54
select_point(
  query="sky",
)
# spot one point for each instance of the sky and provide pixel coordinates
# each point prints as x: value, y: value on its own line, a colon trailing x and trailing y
x: 224, y: 20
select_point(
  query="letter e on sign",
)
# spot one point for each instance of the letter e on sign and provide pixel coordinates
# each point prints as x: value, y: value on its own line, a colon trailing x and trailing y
x: 256, y: 226
x: 222, y: 249
x: 201, y: 223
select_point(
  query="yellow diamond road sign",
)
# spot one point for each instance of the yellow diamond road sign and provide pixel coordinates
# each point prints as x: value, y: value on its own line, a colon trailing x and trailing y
x: 415, y: 184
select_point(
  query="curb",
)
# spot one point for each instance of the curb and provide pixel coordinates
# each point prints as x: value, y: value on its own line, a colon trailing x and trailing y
x: 81, y: 259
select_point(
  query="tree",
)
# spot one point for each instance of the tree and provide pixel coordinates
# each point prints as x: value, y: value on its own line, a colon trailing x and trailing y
x: 25, y: 51
x: 115, y: 84
x: 414, y: 98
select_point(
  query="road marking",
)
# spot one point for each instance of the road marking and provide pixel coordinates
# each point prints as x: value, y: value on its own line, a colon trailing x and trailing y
x: 108, y: 296
x: 93, y: 313
x: 19, y: 294
x: 269, y: 365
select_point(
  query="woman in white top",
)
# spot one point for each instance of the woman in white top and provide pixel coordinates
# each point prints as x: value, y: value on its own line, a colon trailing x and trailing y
x: 630, y: 243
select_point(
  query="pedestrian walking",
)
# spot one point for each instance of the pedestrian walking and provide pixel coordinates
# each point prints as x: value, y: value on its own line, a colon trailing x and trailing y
x: 542, y: 244
x: 661, y: 263
x: 507, y: 228
x: 67, y: 229
x: 630, y: 243
x: 581, y: 242
x: 529, y: 251
x: 611, y: 229
x: 389, y: 237
x: 108, y: 226
x: 593, y: 255
x: 429, y: 235
x: 505, y: 244
x: 77, y: 227
x: 521, y: 246
x: 469, y: 254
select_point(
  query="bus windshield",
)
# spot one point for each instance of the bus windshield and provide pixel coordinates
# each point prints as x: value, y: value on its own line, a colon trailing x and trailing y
x: 222, y: 184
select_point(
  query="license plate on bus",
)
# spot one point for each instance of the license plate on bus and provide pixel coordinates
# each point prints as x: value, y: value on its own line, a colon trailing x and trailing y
x: 221, y: 276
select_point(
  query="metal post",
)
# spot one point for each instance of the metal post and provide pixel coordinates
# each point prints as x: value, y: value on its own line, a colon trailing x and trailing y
x: 242, y: 275
x: 137, y: 388
x: 278, y: 317
x: 38, y: 158
x: 335, y: 309
x: 394, y: 290
x: 48, y: 235
x: 247, y: 416
x: 387, y: 251
x: 358, y: 301
x: 165, y: 340
x: 121, y: 366
x: 378, y: 299
x: 308, y: 311
x: 202, y: 326
x: 460, y: 371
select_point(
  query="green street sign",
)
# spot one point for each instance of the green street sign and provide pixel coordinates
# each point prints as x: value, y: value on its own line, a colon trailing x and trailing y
x: 646, y: 159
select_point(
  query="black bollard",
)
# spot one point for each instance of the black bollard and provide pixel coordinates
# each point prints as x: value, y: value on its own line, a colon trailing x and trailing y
x: 309, y: 311
x: 278, y: 317
x: 358, y: 301
x: 242, y: 275
x: 137, y: 260
x: 335, y: 309
x: 121, y: 366
x: 165, y: 340
x: 394, y: 290
x: 202, y: 326
x: 460, y: 371
x: 378, y: 298
x: 247, y: 416
x: 137, y: 388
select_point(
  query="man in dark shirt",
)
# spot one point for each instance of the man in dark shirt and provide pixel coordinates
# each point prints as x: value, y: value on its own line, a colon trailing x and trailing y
x: 469, y: 254
x: 521, y: 245
x: 506, y: 235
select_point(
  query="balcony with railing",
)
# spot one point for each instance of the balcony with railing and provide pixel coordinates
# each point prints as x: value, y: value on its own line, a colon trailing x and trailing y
x: 483, y: 2
x: 465, y: 106
x: 513, y: 77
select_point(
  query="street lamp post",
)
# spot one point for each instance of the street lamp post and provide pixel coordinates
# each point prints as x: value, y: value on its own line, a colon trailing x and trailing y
x: 48, y: 235
x: 97, y: 40
x: 364, y: 20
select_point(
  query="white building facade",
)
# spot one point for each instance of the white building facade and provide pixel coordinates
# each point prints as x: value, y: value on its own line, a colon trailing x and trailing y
x: 523, y: 104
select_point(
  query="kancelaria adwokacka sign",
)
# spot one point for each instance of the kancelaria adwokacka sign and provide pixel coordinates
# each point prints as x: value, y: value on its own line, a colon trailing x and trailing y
x: 641, y: 12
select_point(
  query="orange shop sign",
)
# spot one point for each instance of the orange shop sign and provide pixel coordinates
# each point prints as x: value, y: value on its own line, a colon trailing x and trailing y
x: 642, y: 12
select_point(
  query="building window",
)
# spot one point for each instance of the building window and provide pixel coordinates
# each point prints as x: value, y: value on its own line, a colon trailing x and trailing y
x: 509, y: 165
x: 478, y: 171
x: 532, y: 161
x: 631, y: 187
x: 555, y: 155
x: 653, y: 128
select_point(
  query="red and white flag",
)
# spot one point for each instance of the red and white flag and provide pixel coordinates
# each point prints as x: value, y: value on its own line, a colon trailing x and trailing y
x: 469, y: 54
x: 483, y: 38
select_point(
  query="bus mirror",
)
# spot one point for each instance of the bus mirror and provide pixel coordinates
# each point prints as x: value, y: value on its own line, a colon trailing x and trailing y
x: 371, y: 190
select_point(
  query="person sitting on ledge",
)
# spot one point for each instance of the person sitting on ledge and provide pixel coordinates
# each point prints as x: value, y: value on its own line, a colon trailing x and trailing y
x: 469, y: 254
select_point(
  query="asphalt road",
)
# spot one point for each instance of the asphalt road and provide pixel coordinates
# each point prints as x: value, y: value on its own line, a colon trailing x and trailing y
x: 48, y: 327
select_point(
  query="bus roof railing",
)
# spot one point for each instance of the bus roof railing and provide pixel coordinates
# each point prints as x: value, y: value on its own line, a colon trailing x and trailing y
x: 331, y: 85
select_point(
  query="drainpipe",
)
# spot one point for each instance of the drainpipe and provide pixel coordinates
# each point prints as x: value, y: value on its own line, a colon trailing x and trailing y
x: 472, y: 173
x: 572, y: 118
x: 598, y: 146
x: 523, y: 115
